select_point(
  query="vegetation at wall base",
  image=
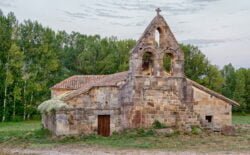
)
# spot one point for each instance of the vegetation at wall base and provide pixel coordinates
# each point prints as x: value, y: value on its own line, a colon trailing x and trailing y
x: 29, y: 134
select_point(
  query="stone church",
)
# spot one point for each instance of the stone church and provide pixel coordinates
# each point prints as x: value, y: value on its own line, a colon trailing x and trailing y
x: 103, y: 104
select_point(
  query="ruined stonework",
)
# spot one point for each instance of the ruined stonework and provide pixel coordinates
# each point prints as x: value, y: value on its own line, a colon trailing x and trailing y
x: 138, y: 97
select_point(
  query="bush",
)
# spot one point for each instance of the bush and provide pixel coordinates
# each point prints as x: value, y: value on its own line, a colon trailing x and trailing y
x: 158, y: 125
x: 42, y: 133
x: 17, y: 119
x: 143, y: 133
x: 196, y: 130
x: 140, y: 131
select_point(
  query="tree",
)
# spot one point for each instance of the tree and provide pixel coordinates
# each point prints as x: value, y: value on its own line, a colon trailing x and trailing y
x: 228, y: 73
x: 213, y: 78
x: 240, y: 89
x: 198, y: 68
x: 40, y: 50
x: 33, y: 58
x: 247, y: 90
x: 9, y: 61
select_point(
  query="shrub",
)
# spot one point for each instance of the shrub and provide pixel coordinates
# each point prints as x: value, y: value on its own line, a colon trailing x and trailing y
x: 150, y: 132
x: 140, y: 131
x: 158, y: 125
x: 115, y: 133
x: 42, y: 133
x: 143, y: 133
x: 196, y: 130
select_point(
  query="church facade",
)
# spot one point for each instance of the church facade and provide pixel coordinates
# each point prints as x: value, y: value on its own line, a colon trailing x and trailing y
x: 103, y: 104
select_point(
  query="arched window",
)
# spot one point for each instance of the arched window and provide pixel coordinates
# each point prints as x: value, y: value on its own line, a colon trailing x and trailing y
x: 158, y: 36
x: 147, y: 63
x: 167, y: 62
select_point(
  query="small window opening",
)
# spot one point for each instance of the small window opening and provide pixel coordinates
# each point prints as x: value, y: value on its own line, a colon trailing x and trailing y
x: 167, y: 62
x: 157, y: 37
x: 147, y: 63
x: 209, y: 118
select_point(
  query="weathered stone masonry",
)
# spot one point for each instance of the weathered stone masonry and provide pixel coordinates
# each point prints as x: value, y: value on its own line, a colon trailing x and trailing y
x: 138, y: 97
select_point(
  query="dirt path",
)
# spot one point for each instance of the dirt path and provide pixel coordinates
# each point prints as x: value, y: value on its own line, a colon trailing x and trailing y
x: 86, y: 150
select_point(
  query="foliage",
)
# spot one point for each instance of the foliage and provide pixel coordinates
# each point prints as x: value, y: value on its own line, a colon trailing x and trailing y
x: 196, y: 130
x: 33, y: 58
x: 142, y: 132
x: 237, y: 86
x: 158, y: 125
x: 199, y: 69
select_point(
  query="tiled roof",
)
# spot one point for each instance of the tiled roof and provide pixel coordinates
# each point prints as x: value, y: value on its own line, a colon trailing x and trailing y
x: 77, y: 81
x: 107, y: 80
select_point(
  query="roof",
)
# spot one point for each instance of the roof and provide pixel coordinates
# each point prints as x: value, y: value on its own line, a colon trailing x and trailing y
x: 83, y: 83
x: 106, y: 80
x: 77, y: 81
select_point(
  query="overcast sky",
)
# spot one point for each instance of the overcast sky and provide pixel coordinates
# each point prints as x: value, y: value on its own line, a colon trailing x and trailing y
x: 220, y: 28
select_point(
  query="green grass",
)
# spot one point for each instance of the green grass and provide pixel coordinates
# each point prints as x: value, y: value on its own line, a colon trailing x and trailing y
x: 241, y: 119
x: 10, y: 130
x: 30, y: 134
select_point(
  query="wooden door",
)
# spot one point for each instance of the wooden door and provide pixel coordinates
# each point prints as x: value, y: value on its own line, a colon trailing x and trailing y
x: 104, y: 125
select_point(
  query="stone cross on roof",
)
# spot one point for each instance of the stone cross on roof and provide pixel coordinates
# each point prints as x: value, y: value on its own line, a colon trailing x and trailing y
x: 158, y: 10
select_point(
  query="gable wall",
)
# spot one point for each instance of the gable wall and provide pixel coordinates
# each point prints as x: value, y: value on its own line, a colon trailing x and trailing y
x: 206, y: 104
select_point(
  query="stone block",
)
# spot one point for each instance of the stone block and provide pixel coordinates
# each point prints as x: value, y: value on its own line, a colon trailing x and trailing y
x: 228, y: 130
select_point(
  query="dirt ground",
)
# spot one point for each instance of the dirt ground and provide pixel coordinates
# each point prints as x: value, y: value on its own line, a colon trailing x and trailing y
x: 87, y: 150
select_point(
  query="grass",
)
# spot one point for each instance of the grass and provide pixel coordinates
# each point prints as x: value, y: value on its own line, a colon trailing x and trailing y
x: 29, y: 134
x: 241, y: 119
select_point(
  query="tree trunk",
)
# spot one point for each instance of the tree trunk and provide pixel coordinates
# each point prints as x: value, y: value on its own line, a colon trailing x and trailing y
x: 4, y: 101
x: 24, y: 101
x: 5, y: 90
x: 31, y: 100
x: 14, y: 108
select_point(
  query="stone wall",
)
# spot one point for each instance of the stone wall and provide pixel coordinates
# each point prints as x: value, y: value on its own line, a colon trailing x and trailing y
x: 83, y: 118
x: 84, y: 121
x: 48, y: 121
x: 157, y: 98
x: 157, y: 95
x: 208, y: 105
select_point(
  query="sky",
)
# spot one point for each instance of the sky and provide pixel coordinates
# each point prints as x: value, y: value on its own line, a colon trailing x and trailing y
x: 220, y: 28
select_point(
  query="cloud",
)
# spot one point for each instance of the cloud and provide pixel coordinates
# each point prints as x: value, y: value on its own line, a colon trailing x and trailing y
x: 141, y: 23
x: 205, y: 1
x: 121, y: 24
x: 5, y: 3
x: 76, y: 14
x: 203, y: 42
x: 111, y: 15
x: 176, y: 7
